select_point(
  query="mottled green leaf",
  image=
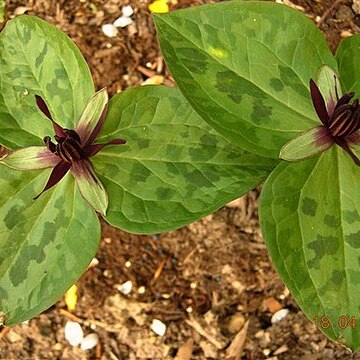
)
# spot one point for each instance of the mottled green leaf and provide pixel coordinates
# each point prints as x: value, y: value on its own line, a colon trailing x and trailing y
x: 46, y: 244
x: 348, y: 58
x: 37, y: 58
x: 173, y: 169
x: 245, y: 68
x: 309, y: 213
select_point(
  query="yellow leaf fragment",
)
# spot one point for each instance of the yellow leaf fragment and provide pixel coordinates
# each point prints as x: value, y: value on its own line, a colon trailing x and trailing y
x: 159, y: 6
x: 71, y: 298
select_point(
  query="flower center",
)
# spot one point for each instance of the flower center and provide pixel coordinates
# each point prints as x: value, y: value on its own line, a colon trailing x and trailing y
x: 345, y: 120
x: 68, y: 148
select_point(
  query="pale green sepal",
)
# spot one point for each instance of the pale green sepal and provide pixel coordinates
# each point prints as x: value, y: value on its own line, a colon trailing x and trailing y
x: 90, y: 186
x: 31, y: 158
x: 328, y: 83
x: 306, y: 145
x: 92, y: 114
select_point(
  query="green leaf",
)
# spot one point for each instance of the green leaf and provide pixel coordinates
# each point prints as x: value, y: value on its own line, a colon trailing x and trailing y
x: 37, y: 58
x: 173, y: 169
x: 348, y: 58
x: 245, y: 68
x: 46, y: 244
x: 309, y: 214
x: 308, y: 144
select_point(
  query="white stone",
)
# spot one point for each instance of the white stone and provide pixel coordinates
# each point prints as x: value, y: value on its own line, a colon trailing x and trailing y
x: 89, y: 341
x: 158, y: 327
x: 125, y: 288
x: 127, y: 10
x: 73, y: 333
x: 141, y: 290
x: 279, y: 315
x: 123, y: 21
x: 110, y: 30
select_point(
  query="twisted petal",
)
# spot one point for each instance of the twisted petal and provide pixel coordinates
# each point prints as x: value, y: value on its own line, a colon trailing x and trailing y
x: 90, y: 186
x: 94, y: 149
x: 308, y: 144
x: 31, y: 158
x: 59, y: 131
x: 93, y: 117
x: 319, y: 103
x: 328, y: 83
x: 56, y: 175
x: 343, y: 144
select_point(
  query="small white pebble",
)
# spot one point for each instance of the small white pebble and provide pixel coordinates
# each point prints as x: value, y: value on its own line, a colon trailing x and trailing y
x: 141, y: 290
x: 127, y: 10
x: 89, y: 341
x: 123, y: 21
x: 266, y: 352
x: 279, y: 315
x: 109, y: 30
x: 193, y: 285
x: 158, y: 327
x: 189, y: 309
x: 128, y: 264
x: 125, y: 288
x: 73, y: 333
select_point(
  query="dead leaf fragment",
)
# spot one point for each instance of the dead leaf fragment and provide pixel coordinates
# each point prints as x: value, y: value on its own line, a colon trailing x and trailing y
x: 235, y: 350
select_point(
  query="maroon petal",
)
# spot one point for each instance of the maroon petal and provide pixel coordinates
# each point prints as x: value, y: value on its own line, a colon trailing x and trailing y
x: 59, y: 131
x: 94, y: 149
x: 93, y: 117
x: 90, y: 186
x: 319, y: 103
x: 56, y: 175
x: 98, y: 126
x: 344, y: 145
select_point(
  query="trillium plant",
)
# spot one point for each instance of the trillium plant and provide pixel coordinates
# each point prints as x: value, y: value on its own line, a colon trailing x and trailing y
x: 262, y: 75
x: 260, y: 98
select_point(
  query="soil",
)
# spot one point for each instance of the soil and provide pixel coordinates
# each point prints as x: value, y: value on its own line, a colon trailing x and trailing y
x: 208, y: 303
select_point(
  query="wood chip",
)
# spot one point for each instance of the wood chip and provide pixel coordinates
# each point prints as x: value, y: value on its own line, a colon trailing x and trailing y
x: 185, y: 350
x: 196, y: 326
x: 281, y: 350
x: 235, y: 350
x: 272, y: 305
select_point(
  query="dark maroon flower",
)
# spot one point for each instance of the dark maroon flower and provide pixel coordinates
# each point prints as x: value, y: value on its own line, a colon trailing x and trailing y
x: 340, y: 118
x: 71, y: 152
